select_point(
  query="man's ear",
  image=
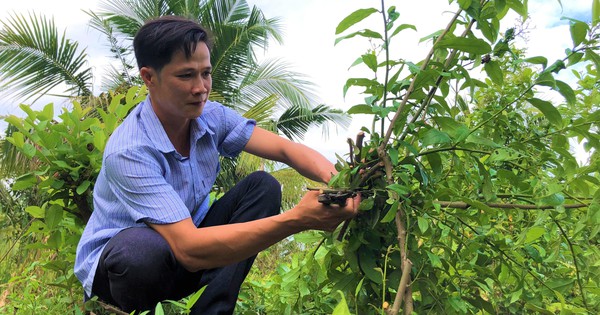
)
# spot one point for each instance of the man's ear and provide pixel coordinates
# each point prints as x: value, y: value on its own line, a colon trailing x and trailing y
x: 148, y: 75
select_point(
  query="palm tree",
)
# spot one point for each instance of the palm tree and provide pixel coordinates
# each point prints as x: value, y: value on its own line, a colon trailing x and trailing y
x: 277, y: 98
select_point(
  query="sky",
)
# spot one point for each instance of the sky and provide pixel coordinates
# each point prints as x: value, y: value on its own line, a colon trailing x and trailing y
x: 309, y: 36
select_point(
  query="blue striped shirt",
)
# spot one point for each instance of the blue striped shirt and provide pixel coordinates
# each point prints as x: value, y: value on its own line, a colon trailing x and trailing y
x: 144, y: 179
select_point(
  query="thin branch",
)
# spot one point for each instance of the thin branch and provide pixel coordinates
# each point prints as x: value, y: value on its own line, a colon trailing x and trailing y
x: 464, y: 205
x: 390, y: 129
x: 577, y: 272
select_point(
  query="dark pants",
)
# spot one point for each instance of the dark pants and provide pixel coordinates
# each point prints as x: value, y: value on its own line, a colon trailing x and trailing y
x: 137, y: 268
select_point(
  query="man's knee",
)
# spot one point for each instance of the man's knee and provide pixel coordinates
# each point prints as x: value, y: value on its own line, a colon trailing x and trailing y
x: 140, y: 251
x: 269, y: 188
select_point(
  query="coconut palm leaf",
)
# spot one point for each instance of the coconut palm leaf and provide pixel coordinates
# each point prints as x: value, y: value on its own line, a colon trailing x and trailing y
x: 120, y: 52
x: 296, y: 120
x: 34, y: 59
x: 275, y: 77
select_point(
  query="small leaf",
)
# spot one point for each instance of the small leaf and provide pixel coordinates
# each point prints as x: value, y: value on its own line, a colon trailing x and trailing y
x: 391, y: 214
x: 83, y: 187
x: 423, y: 224
x: 534, y: 233
x: 35, y: 212
x: 399, y: 189
x: 354, y: 18
x: 551, y: 113
x: 401, y: 28
x: 595, y: 12
x: 494, y: 71
x: 435, y: 260
x: 578, y: 32
x: 371, y: 61
x: 539, y: 60
x: 24, y: 182
x: 518, y: 7
x: 592, y: 56
x: 17, y: 139
x: 53, y: 216
x: 393, y: 153
x: 342, y: 307
x: 434, y: 136
x: 470, y: 45
x: 566, y: 91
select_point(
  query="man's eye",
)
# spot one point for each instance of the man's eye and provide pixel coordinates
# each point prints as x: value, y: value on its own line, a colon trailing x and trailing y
x: 206, y: 73
x: 185, y: 75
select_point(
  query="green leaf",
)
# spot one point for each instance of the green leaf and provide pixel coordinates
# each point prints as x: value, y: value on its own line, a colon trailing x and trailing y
x: 83, y: 187
x: 578, y: 32
x: 539, y: 60
x: 391, y: 214
x: 566, y: 91
x: 401, y: 28
x: 24, y: 182
x: 434, y: 136
x: 435, y: 260
x: 546, y: 79
x: 435, y: 162
x: 464, y: 4
x: 518, y: 7
x: 192, y: 299
x: 399, y: 189
x: 369, y: 266
x: 394, y: 155
x: 17, y: 139
x: 533, y: 234
x: 53, y: 216
x: 551, y: 113
x: 592, y: 56
x: 363, y: 33
x: 354, y: 18
x: 35, y: 212
x: 425, y: 78
x: 595, y: 12
x: 423, y: 224
x: 48, y: 112
x: 371, y: 61
x: 469, y: 45
x: 158, y: 310
x: 494, y: 71
x: 361, y: 109
x: 342, y: 307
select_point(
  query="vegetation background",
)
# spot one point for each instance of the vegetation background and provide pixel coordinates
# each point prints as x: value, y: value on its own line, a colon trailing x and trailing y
x: 476, y: 199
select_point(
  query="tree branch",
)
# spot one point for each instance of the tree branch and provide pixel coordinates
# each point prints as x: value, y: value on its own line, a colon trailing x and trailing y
x: 464, y: 205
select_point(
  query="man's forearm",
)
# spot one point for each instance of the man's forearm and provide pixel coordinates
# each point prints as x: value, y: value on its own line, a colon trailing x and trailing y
x: 217, y: 246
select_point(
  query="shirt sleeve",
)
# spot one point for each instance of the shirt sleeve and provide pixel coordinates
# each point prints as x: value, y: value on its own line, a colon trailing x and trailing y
x: 136, y: 179
x: 237, y: 132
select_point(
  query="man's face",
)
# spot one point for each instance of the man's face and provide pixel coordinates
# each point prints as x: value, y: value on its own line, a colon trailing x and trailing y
x: 179, y: 91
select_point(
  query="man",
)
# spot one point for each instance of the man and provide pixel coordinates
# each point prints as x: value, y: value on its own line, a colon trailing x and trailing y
x: 152, y: 235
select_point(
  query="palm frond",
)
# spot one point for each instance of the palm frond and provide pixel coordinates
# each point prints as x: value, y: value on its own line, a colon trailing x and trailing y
x: 128, y: 16
x: 120, y: 52
x: 34, y: 59
x: 296, y: 120
x: 262, y: 111
x: 275, y: 77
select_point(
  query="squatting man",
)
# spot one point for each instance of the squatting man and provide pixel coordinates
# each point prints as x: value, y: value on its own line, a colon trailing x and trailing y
x: 153, y: 235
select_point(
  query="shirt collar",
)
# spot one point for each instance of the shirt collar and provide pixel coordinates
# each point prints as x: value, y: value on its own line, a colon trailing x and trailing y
x: 156, y: 132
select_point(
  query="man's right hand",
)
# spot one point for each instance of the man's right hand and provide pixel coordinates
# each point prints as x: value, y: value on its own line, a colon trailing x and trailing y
x: 311, y: 214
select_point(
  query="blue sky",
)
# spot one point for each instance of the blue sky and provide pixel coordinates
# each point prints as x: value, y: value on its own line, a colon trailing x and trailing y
x: 309, y: 34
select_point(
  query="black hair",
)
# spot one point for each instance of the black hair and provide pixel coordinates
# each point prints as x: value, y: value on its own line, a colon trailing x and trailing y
x: 157, y: 40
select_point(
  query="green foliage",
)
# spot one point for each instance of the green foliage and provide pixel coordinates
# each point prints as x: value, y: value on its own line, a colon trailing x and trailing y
x: 67, y: 153
x: 472, y: 180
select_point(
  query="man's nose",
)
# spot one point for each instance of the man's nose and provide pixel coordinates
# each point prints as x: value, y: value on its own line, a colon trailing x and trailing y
x: 199, y: 86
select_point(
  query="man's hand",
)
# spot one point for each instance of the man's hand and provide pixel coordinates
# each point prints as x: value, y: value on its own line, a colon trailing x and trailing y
x: 312, y: 214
